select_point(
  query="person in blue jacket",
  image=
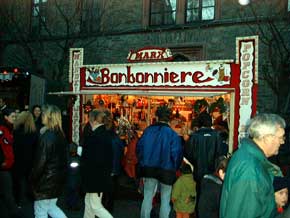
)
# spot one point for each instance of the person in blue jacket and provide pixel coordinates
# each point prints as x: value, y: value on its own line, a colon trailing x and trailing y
x: 159, y: 152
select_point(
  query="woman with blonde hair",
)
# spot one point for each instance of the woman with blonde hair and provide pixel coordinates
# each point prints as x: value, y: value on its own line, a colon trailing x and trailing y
x: 50, y: 165
x: 25, y: 119
x: 25, y: 140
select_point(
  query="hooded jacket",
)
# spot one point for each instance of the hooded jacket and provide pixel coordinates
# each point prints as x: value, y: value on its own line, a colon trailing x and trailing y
x: 184, y: 194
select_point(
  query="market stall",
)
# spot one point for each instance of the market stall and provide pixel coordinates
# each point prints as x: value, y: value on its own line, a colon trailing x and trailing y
x: 134, y: 90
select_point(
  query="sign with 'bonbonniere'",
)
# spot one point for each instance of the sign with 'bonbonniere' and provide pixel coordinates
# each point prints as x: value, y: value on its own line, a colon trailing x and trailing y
x: 162, y: 74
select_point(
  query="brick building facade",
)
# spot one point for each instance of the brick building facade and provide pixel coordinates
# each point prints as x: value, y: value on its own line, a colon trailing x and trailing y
x: 37, y: 34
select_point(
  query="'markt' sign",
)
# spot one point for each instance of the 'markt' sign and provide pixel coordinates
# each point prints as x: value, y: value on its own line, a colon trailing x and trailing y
x: 150, y: 54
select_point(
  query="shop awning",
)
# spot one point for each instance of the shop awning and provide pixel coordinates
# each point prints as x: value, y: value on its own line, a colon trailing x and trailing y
x: 185, y: 92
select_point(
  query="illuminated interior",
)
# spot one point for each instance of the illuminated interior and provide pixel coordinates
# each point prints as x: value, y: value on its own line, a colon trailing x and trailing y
x: 140, y: 110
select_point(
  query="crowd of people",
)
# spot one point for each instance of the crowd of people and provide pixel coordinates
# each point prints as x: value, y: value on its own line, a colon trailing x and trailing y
x: 33, y: 160
x: 194, y: 175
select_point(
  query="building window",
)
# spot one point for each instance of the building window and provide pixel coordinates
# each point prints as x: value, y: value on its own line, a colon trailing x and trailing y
x: 191, y: 53
x: 200, y: 10
x: 91, y: 16
x: 162, y: 12
x: 38, y: 15
x: 171, y: 12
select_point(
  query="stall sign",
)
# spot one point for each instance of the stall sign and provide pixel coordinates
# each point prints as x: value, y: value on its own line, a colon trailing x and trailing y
x: 165, y: 74
x: 247, y: 58
x: 76, y: 55
x: 150, y: 54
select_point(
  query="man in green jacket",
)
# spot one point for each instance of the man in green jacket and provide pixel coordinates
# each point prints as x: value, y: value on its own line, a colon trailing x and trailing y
x: 248, y: 186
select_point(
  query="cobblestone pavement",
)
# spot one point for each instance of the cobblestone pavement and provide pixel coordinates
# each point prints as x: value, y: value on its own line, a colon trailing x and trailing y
x: 127, y: 203
x: 123, y: 209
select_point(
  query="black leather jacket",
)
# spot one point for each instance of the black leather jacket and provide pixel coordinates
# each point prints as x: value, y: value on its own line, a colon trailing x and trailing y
x: 50, y: 166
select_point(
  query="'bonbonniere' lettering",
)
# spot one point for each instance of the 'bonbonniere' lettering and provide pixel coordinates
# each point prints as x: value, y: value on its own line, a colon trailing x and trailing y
x: 164, y: 77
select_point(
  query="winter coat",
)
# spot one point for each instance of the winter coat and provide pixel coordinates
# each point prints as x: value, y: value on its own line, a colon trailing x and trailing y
x: 159, y: 152
x: 24, y: 149
x: 184, y: 194
x: 117, y: 149
x: 96, y: 160
x: 209, y: 200
x: 38, y: 124
x: 248, y: 186
x: 50, y: 166
x: 6, y: 143
x: 202, y: 150
x: 130, y: 160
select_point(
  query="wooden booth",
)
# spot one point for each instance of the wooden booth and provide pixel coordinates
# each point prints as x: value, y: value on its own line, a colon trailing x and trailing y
x: 133, y: 90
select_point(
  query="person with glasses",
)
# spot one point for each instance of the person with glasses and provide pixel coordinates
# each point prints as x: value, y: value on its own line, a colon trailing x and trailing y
x: 248, y: 186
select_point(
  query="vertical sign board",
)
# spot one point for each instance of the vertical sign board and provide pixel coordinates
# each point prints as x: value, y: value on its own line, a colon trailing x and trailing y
x: 247, y: 58
x: 76, y: 60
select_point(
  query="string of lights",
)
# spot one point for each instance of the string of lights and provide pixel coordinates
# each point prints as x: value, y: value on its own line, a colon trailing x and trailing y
x: 10, y: 73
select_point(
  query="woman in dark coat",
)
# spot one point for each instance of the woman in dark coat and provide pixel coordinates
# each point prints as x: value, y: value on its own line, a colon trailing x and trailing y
x: 25, y: 140
x: 50, y: 165
x: 96, y: 165
x: 117, y: 151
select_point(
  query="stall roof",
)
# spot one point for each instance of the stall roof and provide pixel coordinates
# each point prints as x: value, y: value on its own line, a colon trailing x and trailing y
x: 185, y: 92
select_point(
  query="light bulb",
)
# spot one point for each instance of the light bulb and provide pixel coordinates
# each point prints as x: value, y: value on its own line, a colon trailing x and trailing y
x: 244, y: 2
x: 74, y: 164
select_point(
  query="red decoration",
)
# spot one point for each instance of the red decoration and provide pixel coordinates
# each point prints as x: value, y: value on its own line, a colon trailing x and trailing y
x: 88, y: 107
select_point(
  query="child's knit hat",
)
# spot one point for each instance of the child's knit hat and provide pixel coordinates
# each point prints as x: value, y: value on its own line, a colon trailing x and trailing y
x: 280, y: 183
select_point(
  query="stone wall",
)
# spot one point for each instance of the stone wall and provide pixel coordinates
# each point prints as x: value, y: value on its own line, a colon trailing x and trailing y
x: 122, y: 29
